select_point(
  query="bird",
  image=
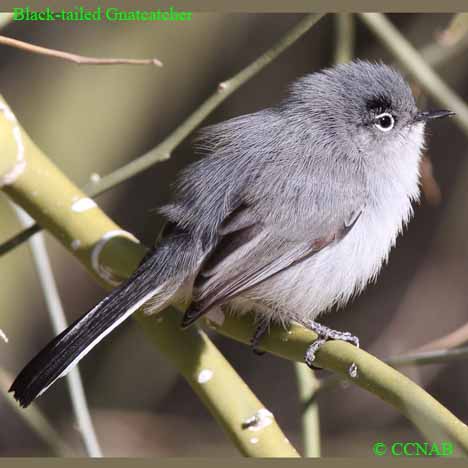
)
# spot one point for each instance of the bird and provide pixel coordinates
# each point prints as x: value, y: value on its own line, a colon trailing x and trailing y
x: 292, y: 211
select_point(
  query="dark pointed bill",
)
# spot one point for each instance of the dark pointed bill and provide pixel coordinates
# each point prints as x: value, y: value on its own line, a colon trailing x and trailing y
x: 435, y: 114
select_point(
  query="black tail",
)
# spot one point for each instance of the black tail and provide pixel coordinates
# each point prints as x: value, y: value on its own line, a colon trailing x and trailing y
x: 155, y: 278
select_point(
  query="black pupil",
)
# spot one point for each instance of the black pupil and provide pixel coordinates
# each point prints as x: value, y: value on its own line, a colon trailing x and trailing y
x: 385, y: 121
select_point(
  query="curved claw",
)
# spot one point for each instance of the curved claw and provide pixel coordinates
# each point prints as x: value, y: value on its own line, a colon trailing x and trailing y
x: 309, y: 357
x: 259, y: 333
x: 324, y: 334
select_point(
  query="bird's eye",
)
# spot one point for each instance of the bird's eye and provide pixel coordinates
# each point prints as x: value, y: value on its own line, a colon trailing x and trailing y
x: 384, y: 122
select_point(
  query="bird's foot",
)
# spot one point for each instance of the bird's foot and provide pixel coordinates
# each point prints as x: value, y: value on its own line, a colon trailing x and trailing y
x: 324, y: 334
x: 260, y: 331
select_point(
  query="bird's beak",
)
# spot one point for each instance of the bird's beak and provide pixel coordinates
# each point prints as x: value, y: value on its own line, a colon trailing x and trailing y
x: 436, y: 114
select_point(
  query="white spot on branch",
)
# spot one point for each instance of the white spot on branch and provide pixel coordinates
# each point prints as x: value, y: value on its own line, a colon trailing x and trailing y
x: 100, y: 269
x: 95, y: 177
x: 353, y: 370
x: 204, y: 376
x: 254, y: 440
x: 75, y: 245
x: 260, y: 420
x: 18, y: 168
x: 222, y: 86
x: 83, y: 204
x: 3, y: 336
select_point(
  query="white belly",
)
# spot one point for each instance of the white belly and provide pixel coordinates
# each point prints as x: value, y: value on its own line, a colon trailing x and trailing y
x: 334, y: 275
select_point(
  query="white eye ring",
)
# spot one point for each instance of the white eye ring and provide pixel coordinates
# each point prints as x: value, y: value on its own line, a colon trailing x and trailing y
x: 384, y: 115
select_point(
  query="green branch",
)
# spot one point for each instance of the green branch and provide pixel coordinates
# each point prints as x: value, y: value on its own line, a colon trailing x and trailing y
x: 434, y: 420
x: 163, y: 151
x: 191, y: 351
x: 344, y: 41
x: 421, y: 358
x: 307, y: 384
x: 110, y: 255
x: 59, y: 323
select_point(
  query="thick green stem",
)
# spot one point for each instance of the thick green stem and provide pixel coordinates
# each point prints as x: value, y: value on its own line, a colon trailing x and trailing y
x: 111, y: 254
x: 120, y: 255
x: 59, y: 207
x: 434, y: 420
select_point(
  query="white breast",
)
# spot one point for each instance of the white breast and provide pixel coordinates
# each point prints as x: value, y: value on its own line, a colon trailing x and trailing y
x: 344, y: 269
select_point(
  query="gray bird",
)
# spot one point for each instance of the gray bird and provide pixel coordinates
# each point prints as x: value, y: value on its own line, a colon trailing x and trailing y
x: 293, y: 210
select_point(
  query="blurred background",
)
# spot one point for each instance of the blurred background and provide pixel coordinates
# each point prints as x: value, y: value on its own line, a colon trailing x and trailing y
x: 92, y: 119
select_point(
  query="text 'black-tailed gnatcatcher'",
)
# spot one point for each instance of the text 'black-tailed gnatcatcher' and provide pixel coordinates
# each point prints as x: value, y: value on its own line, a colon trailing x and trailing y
x: 293, y: 210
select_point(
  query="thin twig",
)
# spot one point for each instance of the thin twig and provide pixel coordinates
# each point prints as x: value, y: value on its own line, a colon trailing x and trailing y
x: 344, y: 42
x: 75, y: 58
x: 449, y: 341
x: 436, y: 54
x: 35, y: 419
x: 163, y: 151
x: 416, y: 358
x: 429, y: 186
x: 5, y: 19
x: 19, y: 239
x: 307, y: 384
x: 59, y: 323
x: 456, y: 30
x: 440, y: 356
